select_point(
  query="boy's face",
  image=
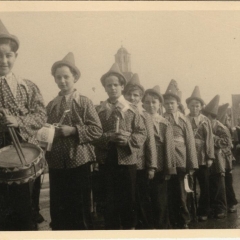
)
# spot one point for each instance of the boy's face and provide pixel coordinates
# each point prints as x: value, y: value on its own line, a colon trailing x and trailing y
x: 195, y: 107
x: 151, y: 104
x: 7, y: 59
x: 171, y: 105
x: 133, y: 96
x: 64, y: 79
x: 113, y: 87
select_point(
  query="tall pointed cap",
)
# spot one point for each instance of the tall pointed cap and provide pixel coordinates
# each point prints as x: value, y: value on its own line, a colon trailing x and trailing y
x: 212, y: 106
x: 195, y: 96
x: 132, y: 83
x: 5, y: 34
x: 114, y: 70
x: 222, y: 111
x: 172, y: 90
x: 155, y: 90
x: 69, y: 61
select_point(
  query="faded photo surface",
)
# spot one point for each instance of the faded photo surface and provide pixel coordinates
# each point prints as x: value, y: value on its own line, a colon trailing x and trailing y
x: 186, y: 57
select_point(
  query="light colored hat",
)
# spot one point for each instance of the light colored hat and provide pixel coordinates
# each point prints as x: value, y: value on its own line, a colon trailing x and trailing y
x: 133, y: 82
x: 5, y: 34
x: 195, y: 96
x: 114, y: 70
x: 69, y: 61
x: 222, y: 111
x: 212, y: 106
x: 172, y: 90
x: 155, y: 90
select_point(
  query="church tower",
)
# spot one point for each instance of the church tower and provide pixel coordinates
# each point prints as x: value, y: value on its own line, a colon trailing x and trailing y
x: 123, y: 59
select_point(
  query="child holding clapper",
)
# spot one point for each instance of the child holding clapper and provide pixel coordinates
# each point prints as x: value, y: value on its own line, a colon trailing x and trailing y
x: 123, y: 135
x: 72, y: 152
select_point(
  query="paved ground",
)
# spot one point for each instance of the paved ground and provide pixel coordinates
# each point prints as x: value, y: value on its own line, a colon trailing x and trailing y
x: 231, y: 222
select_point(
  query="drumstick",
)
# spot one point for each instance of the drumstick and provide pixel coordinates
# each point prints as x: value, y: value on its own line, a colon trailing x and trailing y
x: 18, y: 143
x: 15, y: 140
x: 63, y: 116
x: 15, y: 145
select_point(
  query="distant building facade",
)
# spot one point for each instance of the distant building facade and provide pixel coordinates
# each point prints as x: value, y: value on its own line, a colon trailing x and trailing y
x: 123, y: 59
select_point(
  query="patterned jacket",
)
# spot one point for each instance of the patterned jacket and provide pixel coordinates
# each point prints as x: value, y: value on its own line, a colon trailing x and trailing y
x: 147, y: 155
x: 130, y: 123
x: 222, y: 143
x: 27, y: 106
x: 164, y: 139
x: 202, y: 131
x: 73, y: 151
x: 185, y: 150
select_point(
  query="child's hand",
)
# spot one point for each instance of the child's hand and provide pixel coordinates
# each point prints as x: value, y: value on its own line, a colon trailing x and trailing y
x: 151, y: 173
x: 191, y: 172
x: 66, y: 131
x: 209, y: 163
x: 11, y: 121
x: 120, y: 140
x: 167, y: 177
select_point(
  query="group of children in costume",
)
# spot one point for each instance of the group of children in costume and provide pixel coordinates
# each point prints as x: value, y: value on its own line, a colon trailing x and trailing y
x: 144, y: 155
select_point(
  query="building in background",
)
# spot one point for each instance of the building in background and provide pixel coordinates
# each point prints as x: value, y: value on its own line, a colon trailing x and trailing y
x: 123, y: 59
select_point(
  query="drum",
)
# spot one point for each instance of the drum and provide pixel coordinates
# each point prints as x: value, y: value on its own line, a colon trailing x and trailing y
x: 12, y: 171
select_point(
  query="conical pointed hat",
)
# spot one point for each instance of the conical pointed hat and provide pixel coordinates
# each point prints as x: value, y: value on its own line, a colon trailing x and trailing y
x: 222, y: 111
x: 114, y: 70
x: 172, y: 90
x: 212, y: 106
x: 5, y: 34
x: 155, y: 90
x: 195, y: 96
x: 68, y: 60
x: 133, y: 82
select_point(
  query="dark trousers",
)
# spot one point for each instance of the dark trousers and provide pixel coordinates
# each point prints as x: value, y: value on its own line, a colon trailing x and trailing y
x: 120, y: 185
x: 143, y: 202
x: 178, y: 210
x: 16, y: 207
x: 70, y: 198
x: 202, y: 175
x: 217, y: 190
x: 159, y: 199
x: 230, y: 194
x: 36, y: 195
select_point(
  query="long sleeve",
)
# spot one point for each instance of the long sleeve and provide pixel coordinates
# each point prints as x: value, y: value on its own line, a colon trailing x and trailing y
x: 138, y: 136
x: 221, y: 138
x: 170, y: 161
x: 89, y: 129
x: 30, y: 123
x: 192, y: 161
x: 150, y: 145
x: 209, y: 142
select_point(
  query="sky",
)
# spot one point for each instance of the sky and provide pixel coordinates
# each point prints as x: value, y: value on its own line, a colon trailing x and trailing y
x: 193, y: 47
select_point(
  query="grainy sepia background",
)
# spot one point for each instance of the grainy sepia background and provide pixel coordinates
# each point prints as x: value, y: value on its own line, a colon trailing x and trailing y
x: 193, y: 43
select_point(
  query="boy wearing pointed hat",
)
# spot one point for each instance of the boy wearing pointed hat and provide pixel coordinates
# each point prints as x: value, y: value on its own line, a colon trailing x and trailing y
x: 72, y: 150
x: 225, y: 119
x: 185, y: 154
x: 203, y: 135
x: 166, y: 164
x: 123, y: 135
x: 217, y: 170
x: 147, y: 156
x: 26, y: 113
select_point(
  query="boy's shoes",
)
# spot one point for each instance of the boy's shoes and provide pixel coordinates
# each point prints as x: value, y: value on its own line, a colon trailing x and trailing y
x: 203, y: 218
x: 39, y: 218
x: 185, y: 226
x: 232, y: 209
x: 220, y: 215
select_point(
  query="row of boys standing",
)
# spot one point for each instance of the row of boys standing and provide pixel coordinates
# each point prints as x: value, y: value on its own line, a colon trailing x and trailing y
x: 144, y: 145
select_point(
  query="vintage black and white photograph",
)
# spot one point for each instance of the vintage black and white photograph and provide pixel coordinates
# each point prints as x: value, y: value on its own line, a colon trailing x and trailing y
x: 119, y: 120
